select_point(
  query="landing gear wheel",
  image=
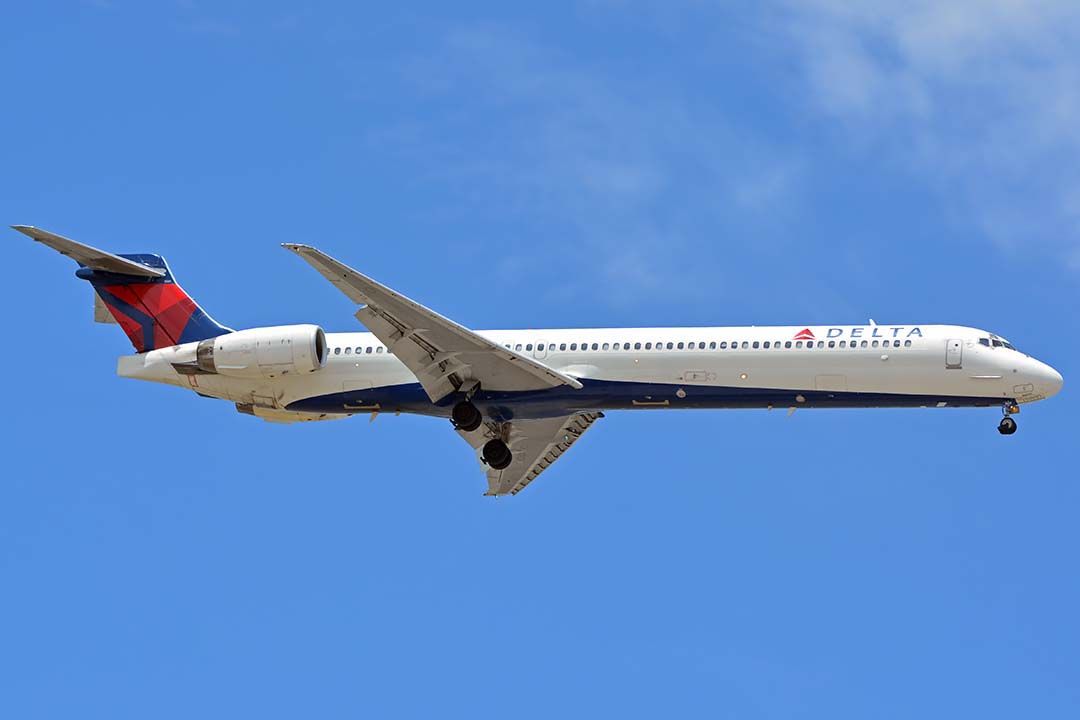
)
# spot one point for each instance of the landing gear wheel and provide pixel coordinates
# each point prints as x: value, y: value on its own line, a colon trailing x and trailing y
x: 465, y: 416
x: 497, y: 455
x: 1007, y: 426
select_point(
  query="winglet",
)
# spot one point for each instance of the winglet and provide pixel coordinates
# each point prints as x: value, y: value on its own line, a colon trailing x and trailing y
x: 89, y: 256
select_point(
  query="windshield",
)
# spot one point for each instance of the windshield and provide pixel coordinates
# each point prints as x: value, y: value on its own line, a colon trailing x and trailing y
x: 995, y: 341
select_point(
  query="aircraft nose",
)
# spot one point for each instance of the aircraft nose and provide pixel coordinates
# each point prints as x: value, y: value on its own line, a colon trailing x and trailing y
x: 1048, y: 380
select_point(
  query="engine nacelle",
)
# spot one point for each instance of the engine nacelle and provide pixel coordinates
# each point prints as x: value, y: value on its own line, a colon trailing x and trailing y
x: 264, y: 352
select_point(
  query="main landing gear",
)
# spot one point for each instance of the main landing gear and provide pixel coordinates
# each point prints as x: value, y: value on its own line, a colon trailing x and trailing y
x: 1007, y: 426
x: 497, y: 454
x: 466, y: 416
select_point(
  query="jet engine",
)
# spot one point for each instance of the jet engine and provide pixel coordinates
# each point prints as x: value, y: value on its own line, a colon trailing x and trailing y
x: 264, y: 352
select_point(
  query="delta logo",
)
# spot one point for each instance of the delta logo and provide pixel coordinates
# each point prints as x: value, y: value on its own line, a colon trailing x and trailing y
x: 873, y: 331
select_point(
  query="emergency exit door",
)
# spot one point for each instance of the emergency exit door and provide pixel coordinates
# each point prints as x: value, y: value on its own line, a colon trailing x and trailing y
x: 954, y: 354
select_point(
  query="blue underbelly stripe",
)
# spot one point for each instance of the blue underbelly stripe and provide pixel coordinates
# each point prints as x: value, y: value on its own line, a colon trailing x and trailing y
x: 616, y: 395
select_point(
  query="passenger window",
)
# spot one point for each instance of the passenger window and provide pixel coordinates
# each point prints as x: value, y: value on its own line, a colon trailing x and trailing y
x: 595, y: 346
x: 562, y: 346
x: 712, y: 345
x: 528, y: 347
x: 573, y: 346
x: 337, y: 351
x: 637, y: 346
x: 359, y: 350
x: 787, y: 344
x: 518, y: 347
x: 605, y: 346
x: 863, y: 344
x: 765, y: 344
x: 832, y: 343
x: 873, y: 344
x: 648, y: 346
x: 896, y: 343
x: 368, y: 351
x: 680, y: 346
x: 540, y: 347
x: 348, y: 351
x: 907, y: 343
x: 378, y: 349
x: 745, y: 345
x: 798, y: 344
x: 821, y: 343
x: 843, y: 343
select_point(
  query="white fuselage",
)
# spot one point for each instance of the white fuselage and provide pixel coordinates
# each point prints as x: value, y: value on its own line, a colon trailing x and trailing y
x: 795, y: 366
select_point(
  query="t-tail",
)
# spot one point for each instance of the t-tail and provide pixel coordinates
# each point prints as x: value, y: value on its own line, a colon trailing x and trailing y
x: 137, y: 292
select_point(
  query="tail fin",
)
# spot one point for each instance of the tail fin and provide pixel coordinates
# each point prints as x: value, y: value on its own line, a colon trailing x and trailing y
x: 139, y: 292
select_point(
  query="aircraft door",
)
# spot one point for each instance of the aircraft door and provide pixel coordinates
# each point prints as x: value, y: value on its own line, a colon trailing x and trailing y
x: 541, y: 350
x: 954, y: 351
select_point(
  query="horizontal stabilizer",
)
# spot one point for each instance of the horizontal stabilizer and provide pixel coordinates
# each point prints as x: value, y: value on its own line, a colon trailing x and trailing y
x: 88, y: 256
x: 101, y: 312
x: 135, y: 291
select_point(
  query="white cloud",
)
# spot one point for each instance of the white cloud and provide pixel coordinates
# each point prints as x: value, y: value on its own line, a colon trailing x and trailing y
x: 633, y: 166
x: 979, y: 98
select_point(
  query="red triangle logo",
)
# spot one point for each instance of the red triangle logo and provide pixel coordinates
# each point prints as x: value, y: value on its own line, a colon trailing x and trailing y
x: 804, y: 334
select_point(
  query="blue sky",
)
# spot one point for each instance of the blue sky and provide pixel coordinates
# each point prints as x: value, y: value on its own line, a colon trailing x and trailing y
x: 580, y: 164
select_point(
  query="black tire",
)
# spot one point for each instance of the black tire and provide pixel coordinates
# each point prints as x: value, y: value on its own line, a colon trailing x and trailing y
x: 497, y: 455
x: 466, y: 416
x: 1007, y: 426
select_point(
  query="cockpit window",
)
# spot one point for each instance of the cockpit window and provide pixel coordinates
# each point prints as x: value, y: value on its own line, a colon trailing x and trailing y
x: 995, y: 341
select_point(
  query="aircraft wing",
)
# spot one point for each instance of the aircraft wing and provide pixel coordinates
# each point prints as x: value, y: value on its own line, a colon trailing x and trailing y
x: 536, y: 444
x: 444, y: 356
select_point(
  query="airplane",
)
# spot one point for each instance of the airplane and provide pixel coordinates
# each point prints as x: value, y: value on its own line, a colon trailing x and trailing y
x: 521, y: 398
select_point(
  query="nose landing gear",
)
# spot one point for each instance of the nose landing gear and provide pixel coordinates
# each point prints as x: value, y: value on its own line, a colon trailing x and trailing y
x: 1007, y: 426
